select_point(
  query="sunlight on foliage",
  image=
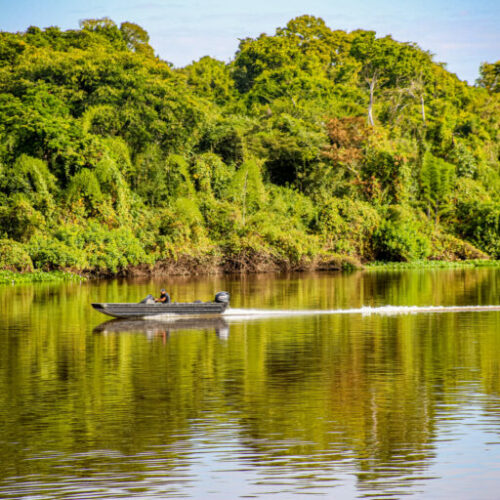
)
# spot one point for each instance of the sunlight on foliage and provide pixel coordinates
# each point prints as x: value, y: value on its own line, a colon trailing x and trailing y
x: 311, y: 147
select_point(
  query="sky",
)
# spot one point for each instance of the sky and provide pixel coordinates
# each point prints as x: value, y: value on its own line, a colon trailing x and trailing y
x: 460, y: 33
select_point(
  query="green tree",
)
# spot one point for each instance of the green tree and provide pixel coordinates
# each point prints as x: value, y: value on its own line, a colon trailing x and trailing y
x: 386, y: 63
x: 136, y: 38
x: 490, y: 76
x: 437, y: 179
x: 109, y: 157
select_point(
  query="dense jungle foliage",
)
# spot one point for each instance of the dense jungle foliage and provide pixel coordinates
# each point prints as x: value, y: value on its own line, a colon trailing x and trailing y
x: 313, y: 147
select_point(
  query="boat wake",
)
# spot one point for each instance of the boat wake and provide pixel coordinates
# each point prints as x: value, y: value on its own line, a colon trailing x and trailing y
x: 245, y: 314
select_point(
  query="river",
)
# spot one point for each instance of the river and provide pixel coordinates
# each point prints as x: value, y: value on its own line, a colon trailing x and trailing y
x: 287, y: 396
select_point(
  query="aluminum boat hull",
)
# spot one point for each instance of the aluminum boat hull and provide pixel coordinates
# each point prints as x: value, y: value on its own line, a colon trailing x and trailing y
x: 190, y: 309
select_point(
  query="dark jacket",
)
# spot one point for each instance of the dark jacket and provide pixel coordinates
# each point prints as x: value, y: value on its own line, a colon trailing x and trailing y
x: 164, y: 297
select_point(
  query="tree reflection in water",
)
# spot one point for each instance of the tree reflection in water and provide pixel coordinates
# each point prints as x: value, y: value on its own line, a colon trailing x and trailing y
x: 302, y: 404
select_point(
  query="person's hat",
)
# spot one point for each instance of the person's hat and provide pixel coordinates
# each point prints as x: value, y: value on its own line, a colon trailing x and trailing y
x: 163, y: 290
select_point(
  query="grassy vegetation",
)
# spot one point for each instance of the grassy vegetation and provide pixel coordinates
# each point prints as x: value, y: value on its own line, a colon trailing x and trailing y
x: 433, y: 264
x: 13, y: 278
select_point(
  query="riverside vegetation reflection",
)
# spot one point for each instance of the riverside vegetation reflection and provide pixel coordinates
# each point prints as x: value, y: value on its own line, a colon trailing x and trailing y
x: 278, y: 405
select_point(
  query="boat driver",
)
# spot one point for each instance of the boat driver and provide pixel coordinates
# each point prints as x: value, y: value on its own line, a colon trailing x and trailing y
x: 164, y: 297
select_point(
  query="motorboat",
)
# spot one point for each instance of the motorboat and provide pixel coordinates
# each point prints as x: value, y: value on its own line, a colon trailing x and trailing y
x: 149, y: 308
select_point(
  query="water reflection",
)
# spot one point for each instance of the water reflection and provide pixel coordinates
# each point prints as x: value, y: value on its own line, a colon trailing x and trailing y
x: 163, y: 328
x: 344, y: 405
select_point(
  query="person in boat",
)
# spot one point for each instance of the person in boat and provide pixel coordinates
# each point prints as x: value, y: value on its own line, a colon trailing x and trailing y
x: 164, y: 297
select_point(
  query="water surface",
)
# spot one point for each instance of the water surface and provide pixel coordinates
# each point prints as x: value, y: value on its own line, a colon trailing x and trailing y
x: 261, y: 405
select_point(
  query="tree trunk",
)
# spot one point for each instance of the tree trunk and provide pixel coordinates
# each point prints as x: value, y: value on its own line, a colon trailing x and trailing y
x: 373, y: 82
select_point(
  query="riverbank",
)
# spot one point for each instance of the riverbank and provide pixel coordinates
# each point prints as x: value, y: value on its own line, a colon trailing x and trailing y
x: 250, y: 262
x: 259, y: 263
x: 191, y: 266
x: 433, y: 264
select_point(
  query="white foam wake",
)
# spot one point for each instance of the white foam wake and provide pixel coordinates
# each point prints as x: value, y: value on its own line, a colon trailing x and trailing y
x: 364, y: 311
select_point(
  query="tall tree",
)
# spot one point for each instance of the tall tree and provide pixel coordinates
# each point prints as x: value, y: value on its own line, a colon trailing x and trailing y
x: 490, y: 76
x: 136, y: 38
x: 386, y: 63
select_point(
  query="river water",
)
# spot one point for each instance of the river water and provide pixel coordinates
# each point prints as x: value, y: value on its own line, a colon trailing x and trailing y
x: 287, y: 396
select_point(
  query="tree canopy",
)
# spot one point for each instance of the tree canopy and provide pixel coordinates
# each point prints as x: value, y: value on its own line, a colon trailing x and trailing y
x: 311, y: 145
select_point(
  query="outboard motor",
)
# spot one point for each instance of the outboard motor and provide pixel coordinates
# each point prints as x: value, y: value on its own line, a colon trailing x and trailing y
x: 222, y: 297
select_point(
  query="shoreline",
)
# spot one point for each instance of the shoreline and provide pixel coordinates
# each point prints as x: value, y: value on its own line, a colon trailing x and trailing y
x: 194, y: 267
x: 433, y: 264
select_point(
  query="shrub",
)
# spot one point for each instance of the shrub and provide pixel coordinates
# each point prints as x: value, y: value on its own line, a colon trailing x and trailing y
x: 221, y: 218
x: 18, y: 218
x: 480, y: 224
x: 49, y: 253
x: 448, y: 247
x: 348, y: 226
x: 401, y: 237
x: 113, y: 250
x: 13, y: 256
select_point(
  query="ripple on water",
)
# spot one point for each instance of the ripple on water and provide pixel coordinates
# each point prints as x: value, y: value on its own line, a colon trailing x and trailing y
x: 322, y: 397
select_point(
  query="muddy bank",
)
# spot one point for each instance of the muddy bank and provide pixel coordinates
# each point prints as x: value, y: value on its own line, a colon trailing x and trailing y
x: 244, y: 263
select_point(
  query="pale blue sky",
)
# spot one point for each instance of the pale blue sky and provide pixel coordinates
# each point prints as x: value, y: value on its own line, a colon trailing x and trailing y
x: 461, y: 33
